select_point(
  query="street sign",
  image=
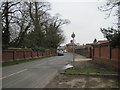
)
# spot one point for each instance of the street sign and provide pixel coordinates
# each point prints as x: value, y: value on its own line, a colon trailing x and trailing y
x: 73, y: 35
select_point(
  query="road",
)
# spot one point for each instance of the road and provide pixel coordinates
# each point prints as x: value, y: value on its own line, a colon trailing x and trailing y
x: 35, y: 74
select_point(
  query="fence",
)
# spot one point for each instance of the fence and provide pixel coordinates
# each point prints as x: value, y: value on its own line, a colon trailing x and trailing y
x: 10, y: 55
x: 102, y: 53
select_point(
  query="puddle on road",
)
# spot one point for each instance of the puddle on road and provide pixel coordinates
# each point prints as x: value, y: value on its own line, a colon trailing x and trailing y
x: 68, y: 66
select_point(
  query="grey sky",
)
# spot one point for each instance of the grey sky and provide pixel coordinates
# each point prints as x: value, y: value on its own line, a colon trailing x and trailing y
x: 86, y: 19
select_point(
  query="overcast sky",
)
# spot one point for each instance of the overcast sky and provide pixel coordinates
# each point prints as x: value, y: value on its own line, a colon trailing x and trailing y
x: 86, y: 19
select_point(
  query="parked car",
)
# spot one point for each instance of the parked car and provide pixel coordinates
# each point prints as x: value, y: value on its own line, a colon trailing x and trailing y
x: 60, y: 52
x: 65, y: 51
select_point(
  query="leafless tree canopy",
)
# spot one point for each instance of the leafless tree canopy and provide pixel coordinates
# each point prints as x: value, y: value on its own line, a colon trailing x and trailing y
x: 109, y: 6
x: 28, y: 24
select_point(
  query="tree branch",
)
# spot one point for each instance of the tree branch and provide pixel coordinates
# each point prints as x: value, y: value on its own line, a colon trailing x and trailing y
x: 13, y: 4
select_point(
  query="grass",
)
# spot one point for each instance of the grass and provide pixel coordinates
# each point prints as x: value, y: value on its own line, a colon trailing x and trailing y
x: 0, y: 64
x: 24, y: 60
x: 19, y: 48
x: 88, y: 69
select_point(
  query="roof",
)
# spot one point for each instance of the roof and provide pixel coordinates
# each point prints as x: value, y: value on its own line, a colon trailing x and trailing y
x: 102, y: 41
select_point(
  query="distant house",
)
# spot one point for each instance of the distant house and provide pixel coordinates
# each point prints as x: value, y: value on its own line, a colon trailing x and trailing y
x: 69, y: 46
x: 102, y: 41
x: 87, y: 45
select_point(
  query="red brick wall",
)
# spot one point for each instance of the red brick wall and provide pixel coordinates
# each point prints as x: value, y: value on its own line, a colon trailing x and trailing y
x: 115, y: 53
x: 34, y: 54
x: 39, y: 53
x: 106, y: 52
x: 96, y: 52
x: 119, y: 54
x: 28, y: 54
x: 10, y: 55
x: 103, y: 53
x: 84, y: 51
x: 110, y: 63
x: 88, y: 52
x: 107, y: 55
x: 7, y: 55
x: 20, y: 55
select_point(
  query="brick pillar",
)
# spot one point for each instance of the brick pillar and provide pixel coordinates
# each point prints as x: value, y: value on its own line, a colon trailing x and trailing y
x: 99, y: 51
x: 45, y: 53
x: 48, y: 52
x: 93, y: 53
x: 37, y: 54
x: 24, y: 54
x: 118, y: 59
x: 119, y: 54
x: 41, y: 53
x: 32, y: 54
x: 14, y: 55
x: 109, y: 56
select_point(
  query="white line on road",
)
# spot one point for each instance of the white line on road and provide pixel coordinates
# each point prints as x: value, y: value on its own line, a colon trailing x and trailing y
x: 13, y: 74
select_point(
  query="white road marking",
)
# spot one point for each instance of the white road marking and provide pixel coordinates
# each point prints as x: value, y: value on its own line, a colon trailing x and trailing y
x: 13, y: 74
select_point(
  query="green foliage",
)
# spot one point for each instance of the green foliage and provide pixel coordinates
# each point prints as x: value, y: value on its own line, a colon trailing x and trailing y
x: 38, y: 49
x: 89, y: 69
x: 115, y: 40
x: 4, y: 46
x: 112, y: 35
x: 95, y: 41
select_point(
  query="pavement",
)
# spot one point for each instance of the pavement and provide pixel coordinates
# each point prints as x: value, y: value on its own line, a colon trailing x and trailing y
x: 83, y: 81
x: 86, y: 80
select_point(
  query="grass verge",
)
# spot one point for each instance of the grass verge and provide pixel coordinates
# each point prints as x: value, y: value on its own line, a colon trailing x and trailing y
x: 24, y: 60
x: 87, y: 70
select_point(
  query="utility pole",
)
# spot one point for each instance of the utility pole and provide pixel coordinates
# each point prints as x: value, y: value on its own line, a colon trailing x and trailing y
x: 73, y: 36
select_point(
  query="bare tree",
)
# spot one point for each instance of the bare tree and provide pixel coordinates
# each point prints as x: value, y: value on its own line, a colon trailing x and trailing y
x: 54, y: 35
x: 28, y: 24
x: 37, y: 10
x: 109, y: 6
x: 23, y: 21
x: 7, y: 12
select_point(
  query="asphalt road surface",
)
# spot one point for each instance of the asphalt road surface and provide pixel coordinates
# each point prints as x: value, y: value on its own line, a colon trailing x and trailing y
x: 35, y: 74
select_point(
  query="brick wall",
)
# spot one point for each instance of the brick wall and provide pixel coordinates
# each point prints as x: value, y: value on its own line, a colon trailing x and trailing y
x: 103, y: 53
x: 7, y: 55
x: 107, y: 55
x: 84, y: 51
x: 10, y: 55
x: 96, y: 52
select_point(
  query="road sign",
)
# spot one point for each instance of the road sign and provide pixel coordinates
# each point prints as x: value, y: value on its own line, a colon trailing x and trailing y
x: 73, y: 35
